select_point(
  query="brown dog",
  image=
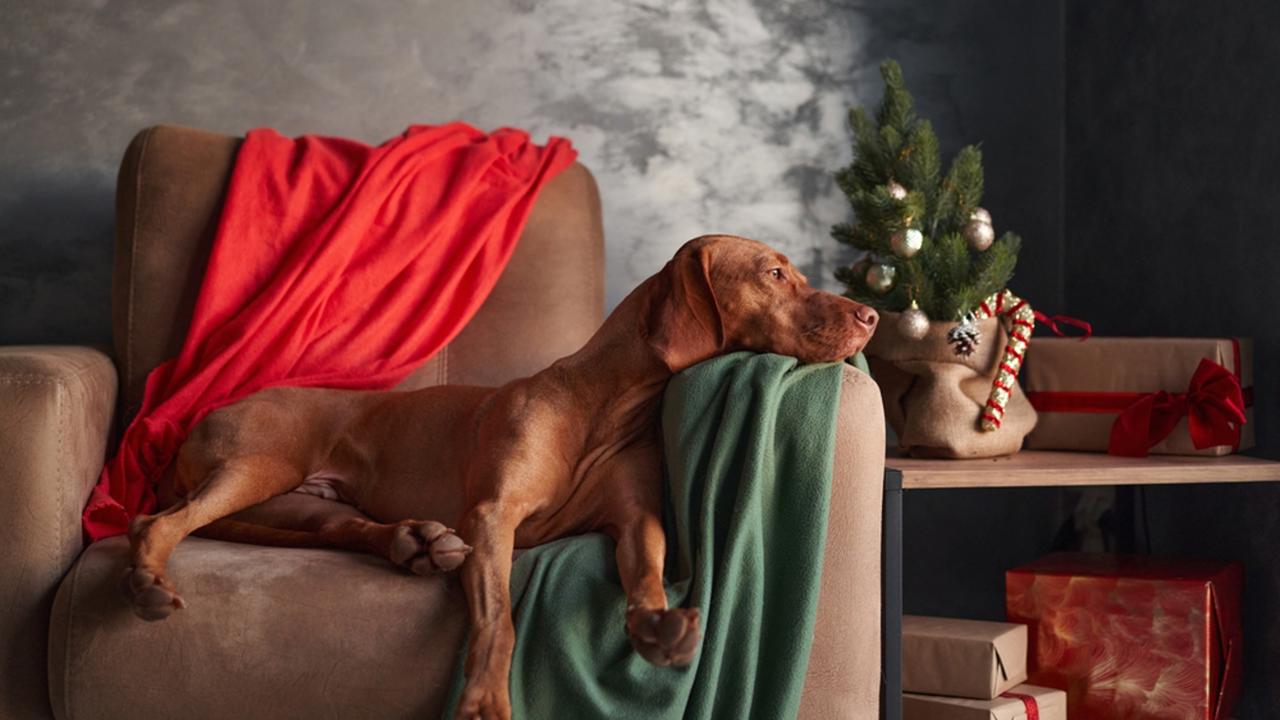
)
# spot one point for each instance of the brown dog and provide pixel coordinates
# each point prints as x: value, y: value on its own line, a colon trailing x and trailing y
x: 573, y: 449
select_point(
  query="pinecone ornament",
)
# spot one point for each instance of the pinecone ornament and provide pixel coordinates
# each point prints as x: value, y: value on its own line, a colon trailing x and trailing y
x: 965, y: 336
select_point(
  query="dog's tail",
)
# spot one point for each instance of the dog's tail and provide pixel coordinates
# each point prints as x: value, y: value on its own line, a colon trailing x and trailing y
x: 254, y: 534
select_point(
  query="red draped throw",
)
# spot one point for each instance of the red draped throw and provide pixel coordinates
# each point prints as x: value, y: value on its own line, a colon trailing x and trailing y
x: 335, y: 264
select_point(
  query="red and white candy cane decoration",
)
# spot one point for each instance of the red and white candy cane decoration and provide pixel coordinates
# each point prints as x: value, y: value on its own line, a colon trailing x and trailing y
x: 1006, y: 304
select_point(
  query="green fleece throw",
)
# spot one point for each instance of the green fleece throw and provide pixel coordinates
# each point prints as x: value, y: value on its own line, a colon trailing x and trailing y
x: 749, y: 444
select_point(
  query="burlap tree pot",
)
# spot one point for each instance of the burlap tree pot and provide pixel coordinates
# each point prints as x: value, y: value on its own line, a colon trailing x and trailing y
x: 934, y: 399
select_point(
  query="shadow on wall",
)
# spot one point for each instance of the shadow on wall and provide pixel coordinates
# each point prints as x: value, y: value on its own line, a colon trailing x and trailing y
x: 55, y: 255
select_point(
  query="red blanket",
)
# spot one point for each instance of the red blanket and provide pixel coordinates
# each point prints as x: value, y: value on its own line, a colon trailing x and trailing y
x: 335, y: 264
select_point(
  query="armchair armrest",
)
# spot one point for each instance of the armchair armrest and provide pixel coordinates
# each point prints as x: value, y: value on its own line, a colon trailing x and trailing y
x: 56, y: 405
x: 843, y: 680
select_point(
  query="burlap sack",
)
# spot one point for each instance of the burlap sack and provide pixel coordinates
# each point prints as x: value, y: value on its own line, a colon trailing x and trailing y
x: 933, y: 398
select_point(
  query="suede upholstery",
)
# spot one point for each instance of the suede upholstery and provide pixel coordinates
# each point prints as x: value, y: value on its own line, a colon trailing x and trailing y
x: 273, y: 632
x: 56, y: 405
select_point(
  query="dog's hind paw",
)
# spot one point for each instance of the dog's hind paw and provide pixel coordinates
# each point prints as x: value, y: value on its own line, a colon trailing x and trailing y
x: 150, y: 595
x: 425, y: 547
x: 665, y: 637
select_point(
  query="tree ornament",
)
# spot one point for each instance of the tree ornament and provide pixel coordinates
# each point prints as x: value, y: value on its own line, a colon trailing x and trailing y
x: 906, y: 243
x: 896, y: 191
x: 979, y: 234
x: 981, y: 215
x: 880, y: 277
x: 965, y: 336
x: 913, y: 323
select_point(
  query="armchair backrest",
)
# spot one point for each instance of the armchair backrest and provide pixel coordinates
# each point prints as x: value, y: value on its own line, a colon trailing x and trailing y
x: 168, y: 200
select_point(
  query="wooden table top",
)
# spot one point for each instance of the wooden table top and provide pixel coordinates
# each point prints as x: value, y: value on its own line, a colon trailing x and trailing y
x: 1042, y: 468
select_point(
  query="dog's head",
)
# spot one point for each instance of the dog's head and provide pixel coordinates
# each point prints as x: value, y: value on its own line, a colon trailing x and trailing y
x: 722, y: 293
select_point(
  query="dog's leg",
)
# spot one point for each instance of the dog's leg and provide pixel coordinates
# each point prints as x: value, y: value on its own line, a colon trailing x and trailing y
x: 423, y: 547
x: 662, y: 635
x: 234, y: 485
x: 486, y: 577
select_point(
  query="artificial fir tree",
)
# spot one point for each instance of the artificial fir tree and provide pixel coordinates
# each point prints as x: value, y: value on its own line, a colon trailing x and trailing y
x: 926, y: 238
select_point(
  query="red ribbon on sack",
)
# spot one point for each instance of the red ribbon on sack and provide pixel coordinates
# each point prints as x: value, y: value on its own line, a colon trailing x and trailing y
x: 1028, y: 702
x: 1213, y: 405
x: 1052, y: 323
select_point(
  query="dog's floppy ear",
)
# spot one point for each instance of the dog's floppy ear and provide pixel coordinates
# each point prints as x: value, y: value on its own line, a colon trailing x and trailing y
x: 684, y: 326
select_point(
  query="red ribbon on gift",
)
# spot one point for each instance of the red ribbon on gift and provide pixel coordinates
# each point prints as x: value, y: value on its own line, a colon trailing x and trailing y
x: 1052, y: 323
x: 1213, y: 404
x: 1028, y: 702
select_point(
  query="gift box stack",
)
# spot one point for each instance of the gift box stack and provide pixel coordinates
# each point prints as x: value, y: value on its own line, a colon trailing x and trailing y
x: 971, y: 670
x: 1132, y: 637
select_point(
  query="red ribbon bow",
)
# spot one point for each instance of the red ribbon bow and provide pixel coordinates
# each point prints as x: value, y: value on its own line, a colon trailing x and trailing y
x: 1213, y: 405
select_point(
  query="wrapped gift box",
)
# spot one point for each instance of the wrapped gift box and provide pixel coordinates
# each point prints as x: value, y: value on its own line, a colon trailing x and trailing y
x: 1083, y: 389
x: 1132, y: 637
x: 1024, y: 702
x: 962, y: 658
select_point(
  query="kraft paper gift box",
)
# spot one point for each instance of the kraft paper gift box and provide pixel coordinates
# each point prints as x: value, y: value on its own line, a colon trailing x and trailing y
x: 1120, y: 395
x: 1132, y: 636
x: 962, y: 658
x: 1024, y: 702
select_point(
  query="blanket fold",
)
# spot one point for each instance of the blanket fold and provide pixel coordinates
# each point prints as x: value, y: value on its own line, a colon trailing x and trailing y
x: 749, y: 445
x: 335, y: 264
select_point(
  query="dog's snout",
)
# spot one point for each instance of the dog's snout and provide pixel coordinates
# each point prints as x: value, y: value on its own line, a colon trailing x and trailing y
x: 866, y: 316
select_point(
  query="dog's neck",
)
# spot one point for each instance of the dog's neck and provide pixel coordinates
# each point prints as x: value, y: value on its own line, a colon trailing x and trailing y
x: 617, y: 372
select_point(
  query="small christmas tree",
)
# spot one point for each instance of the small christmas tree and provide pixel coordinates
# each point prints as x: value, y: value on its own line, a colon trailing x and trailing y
x: 926, y: 238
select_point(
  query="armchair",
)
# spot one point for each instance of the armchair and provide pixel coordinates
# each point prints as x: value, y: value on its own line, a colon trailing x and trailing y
x: 273, y: 632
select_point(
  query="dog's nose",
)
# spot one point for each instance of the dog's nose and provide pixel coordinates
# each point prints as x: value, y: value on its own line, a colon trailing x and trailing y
x: 866, y: 316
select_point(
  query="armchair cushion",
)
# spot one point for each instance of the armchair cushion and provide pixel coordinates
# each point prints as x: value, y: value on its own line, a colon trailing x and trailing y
x: 280, y: 632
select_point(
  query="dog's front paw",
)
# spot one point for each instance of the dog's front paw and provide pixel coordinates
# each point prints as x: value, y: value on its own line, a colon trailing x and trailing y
x: 665, y: 637
x: 484, y: 702
x: 151, y: 595
x: 425, y: 547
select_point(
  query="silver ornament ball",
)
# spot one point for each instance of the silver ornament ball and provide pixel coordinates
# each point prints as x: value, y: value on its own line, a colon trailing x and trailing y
x: 979, y: 234
x: 896, y: 191
x: 913, y: 323
x: 981, y: 215
x: 906, y: 243
x: 880, y: 278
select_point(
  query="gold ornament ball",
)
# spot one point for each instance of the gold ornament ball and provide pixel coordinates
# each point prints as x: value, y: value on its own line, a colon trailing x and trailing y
x: 979, y: 234
x: 906, y: 243
x: 913, y: 323
x: 981, y: 215
x: 896, y: 191
x: 880, y: 278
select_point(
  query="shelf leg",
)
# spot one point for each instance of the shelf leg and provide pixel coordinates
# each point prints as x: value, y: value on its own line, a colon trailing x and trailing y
x: 891, y: 598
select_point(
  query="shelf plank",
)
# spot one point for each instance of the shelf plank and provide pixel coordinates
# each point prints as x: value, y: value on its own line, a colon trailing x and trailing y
x: 1041, y: 468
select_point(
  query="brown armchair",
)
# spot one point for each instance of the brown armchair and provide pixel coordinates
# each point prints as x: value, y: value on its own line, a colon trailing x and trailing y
x: 272, y: 632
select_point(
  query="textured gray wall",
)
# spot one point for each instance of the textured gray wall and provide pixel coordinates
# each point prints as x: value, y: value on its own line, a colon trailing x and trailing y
x: 1171, y: 190
x: 711, y: 115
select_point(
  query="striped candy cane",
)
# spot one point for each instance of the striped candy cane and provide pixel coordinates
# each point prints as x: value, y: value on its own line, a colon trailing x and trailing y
x: 1006, y: 304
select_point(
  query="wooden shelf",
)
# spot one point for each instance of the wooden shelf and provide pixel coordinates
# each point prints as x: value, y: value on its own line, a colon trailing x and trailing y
x: 1040, y: 468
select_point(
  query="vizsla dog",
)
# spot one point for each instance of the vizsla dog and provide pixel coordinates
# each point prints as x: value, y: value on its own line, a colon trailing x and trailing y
x: 575, y: 448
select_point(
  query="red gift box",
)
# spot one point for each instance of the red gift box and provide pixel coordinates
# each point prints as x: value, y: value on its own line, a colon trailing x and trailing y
x: 1131, y: 636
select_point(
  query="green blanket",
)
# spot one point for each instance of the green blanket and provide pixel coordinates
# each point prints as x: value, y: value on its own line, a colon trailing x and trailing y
x: 749, y: 443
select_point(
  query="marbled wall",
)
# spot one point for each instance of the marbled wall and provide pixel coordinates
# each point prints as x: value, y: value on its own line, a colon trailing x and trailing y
x: 696, y: 115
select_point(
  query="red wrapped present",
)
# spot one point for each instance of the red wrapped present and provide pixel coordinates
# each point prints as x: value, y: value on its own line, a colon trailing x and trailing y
x: 1130, y: 636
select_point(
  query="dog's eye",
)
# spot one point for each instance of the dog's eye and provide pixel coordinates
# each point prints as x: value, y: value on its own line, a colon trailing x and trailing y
x: 776, y: 273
